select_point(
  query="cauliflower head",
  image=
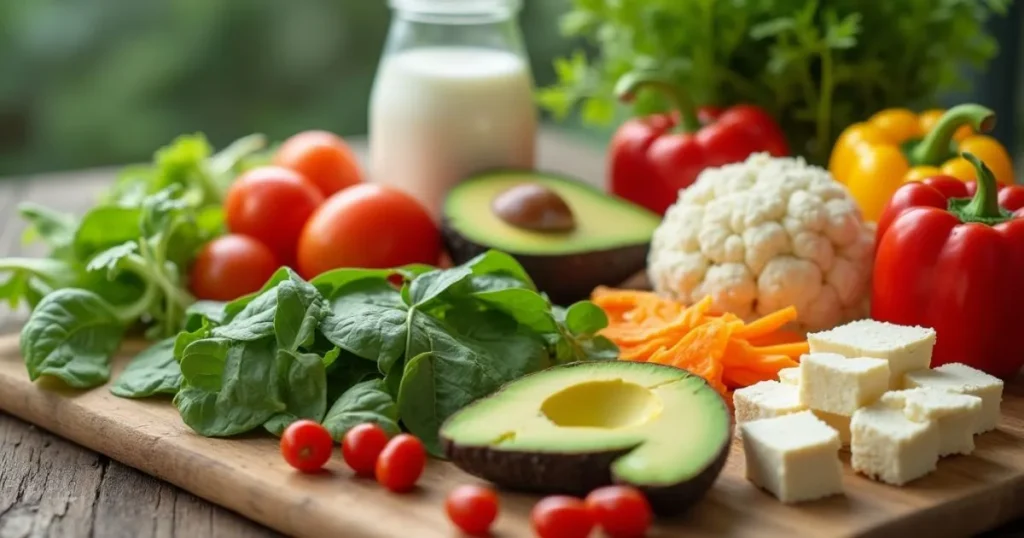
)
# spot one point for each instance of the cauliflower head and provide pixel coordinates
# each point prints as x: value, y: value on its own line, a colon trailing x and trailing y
x: 763, y: 234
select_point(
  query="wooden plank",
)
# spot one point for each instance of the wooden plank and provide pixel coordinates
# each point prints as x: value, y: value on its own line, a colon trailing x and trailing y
x: 965, y: 496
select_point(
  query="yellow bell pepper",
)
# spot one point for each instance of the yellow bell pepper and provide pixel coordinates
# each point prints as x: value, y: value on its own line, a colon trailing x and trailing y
x: 895, y: 146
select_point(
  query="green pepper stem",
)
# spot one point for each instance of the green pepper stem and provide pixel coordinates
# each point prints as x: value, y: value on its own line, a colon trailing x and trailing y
x: 935, y: 147
x: 985, y: 203
x: 630, y: 83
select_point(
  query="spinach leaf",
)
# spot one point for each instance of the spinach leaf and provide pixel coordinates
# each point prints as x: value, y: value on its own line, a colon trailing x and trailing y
x: 248, y: 393
x: 71, y: 335
x: 347, y: 370
x: 369, y: 320
x: 254, y: 322
x: 527, y: 307
x: 303, y: 389
x: 234, y: 308
x: 495, y: 262
x: 364, y: 402
x: 329, y: 283
x: 204, y: 310
x: 153, y: 371
x: 429, y: 286
x: 298, y: 313
x: 32, y: 278
x: 585, y: 318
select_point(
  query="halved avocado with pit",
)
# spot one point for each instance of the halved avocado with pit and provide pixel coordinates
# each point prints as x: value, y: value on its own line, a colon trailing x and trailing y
x: 569, y: 236
x: 573, y: 428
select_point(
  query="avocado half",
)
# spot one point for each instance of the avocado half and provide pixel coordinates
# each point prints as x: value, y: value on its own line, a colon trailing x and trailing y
x: 573, y: 428
x: 607, y: 245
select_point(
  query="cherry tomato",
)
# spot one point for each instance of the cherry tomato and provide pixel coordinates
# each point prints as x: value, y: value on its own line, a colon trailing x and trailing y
x: 472, y: 508
x: 401, y: 463
x: 306, y: 445
x: 362, y: 445
x: 321, y: 157
x: 271, y: 204
x: 622, y: 511
x: 561, y: 516
x: 368, y: 226
x: 231, y: 266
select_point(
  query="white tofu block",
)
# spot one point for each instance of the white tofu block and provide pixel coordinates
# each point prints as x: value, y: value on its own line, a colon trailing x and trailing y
x: 889, y: 447
x: 963, y: 379
x: 836, y: 384
x: 839, y: 423
x: 766, y: 399
x: 790, y: 376
x: 956, y: 415
x: 906, y: 348
x: 795, y: 457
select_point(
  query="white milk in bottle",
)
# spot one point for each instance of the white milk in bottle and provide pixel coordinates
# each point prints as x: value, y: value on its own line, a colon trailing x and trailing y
x: 452, y: 105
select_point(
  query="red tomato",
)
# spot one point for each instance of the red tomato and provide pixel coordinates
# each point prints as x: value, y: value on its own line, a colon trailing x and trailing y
x: 368, y: 226
x: 472, y: 508
x: 362, y: 445
x: 323, y: 158
x: 401, y: 463
x: 622, y: 511
x: 231, y: 266
x: 306, y: 445
x: 271, y: 204
x: 561, y: 516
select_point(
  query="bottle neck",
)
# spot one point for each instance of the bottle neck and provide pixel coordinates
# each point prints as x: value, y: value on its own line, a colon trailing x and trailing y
x: 456, y: 12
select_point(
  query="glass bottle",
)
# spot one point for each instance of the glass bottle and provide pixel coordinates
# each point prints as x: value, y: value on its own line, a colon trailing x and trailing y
x: 453, y: 96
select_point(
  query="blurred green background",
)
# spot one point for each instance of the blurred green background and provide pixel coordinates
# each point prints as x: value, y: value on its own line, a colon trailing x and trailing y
x: 96, y: 82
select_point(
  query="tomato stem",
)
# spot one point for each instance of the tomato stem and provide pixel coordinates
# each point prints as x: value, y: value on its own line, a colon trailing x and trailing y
x: 634, y: 81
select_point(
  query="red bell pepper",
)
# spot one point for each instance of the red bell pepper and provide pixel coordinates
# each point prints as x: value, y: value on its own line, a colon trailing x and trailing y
x: 653, y: 157
x: 950, y: 256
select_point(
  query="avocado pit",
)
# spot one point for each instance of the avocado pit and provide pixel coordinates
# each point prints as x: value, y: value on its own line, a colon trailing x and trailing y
x: 532, y: 206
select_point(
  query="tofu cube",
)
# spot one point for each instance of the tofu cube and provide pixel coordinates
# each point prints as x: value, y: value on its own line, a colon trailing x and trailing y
x: 766, y: 399
x: 956, y: 415
x: 836, y: 384
x: 963, y: 379
x: 795, y: 457
x: 839, y: 423
x: 889, y: 447
x: 790, y: 376
x: 906, y: 348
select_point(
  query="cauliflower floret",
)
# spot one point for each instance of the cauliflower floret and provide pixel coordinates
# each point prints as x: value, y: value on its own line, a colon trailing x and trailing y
x: 765, y: 234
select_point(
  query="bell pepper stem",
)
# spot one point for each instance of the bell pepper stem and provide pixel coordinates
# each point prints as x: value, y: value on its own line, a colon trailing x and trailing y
x: 983, y: 207
x: 629, y: 84
x: 935, y: 147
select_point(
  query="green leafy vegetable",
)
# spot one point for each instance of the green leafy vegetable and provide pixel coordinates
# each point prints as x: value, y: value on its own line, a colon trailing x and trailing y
x: 366, y: 401
x: 122, y: 264
x: 413, y: 353
x: 816, y: 66
x: 154, y: 371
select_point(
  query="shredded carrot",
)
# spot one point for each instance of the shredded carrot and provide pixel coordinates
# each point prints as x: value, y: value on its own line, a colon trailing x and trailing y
x: 720, y: 347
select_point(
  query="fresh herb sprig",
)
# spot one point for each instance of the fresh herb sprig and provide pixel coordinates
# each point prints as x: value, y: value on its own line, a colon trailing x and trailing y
x: 817, y: 66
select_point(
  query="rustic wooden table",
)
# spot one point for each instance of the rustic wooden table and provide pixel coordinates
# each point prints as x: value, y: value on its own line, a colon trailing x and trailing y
x: 52, y: 487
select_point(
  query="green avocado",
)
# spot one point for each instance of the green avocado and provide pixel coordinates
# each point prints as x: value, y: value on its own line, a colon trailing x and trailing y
x: 570, y: 429
x: 569, y: 236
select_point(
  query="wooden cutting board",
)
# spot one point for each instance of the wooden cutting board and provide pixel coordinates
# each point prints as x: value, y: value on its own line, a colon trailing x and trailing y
x: 966, y: 494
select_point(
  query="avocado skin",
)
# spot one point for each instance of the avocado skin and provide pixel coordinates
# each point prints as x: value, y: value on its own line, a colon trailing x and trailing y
x: 580, y: 473
x: 564, y: 278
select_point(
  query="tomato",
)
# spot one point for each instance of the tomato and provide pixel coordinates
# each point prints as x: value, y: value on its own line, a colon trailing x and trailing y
x: 231, y: 266
x: 472, y: 508
x: 321, y: 157
x: 368, y: 226
x: 271, y: 204
x: 622, y: 511
x: 306, y: 445
x: 561, y: 516
x: 401, y: 463
x: 362, y: 445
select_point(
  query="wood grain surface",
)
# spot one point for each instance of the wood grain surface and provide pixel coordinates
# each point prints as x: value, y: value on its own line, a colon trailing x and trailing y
x: 50, y: 486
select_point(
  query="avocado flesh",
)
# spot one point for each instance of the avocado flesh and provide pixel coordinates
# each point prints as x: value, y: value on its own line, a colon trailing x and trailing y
x: 572, y: 428
x: 603, y: 222
x: 608, y: 245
